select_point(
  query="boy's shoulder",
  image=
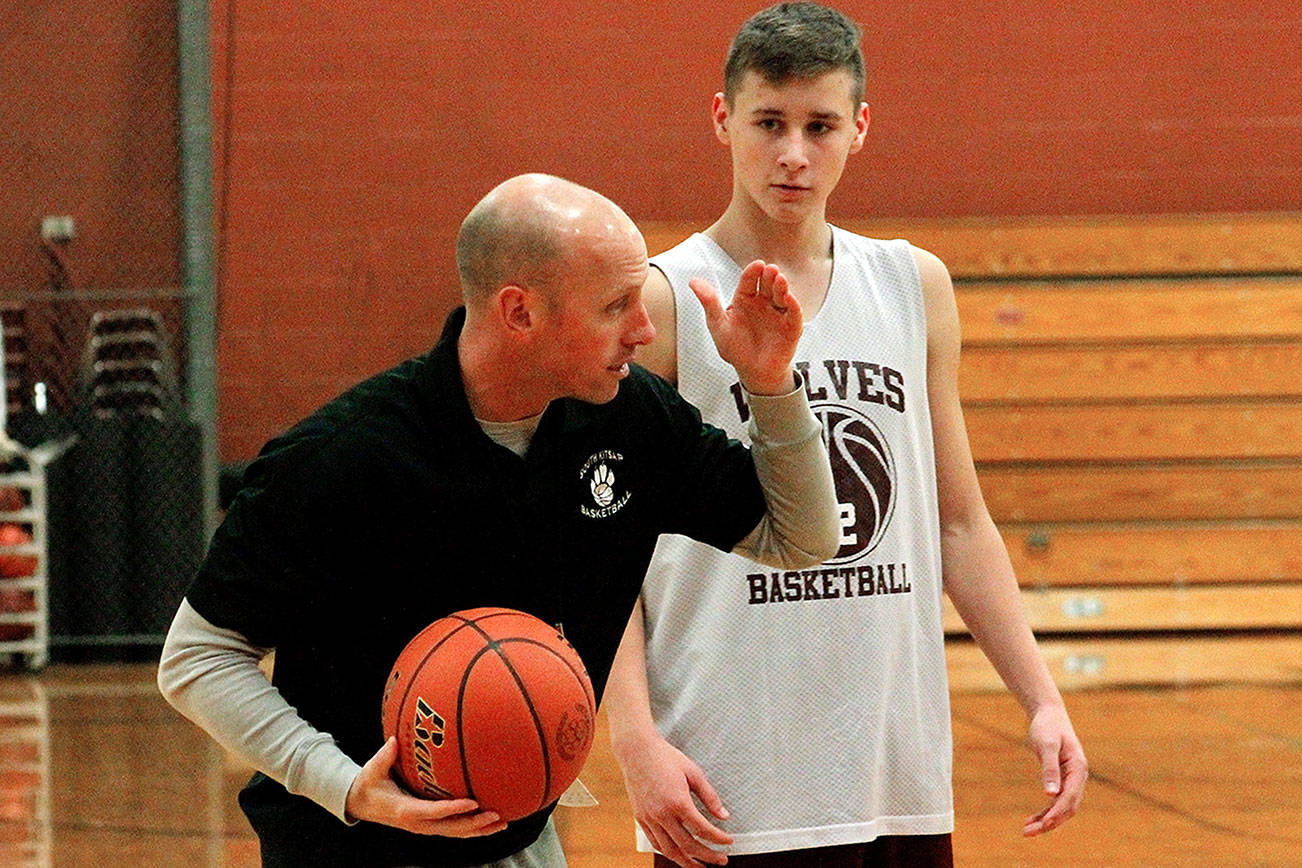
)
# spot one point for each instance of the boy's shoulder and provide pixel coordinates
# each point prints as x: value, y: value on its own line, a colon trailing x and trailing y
x: 694, y: 248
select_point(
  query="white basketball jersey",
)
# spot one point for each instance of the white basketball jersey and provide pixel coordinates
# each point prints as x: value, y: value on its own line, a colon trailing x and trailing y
x: 816, y: 700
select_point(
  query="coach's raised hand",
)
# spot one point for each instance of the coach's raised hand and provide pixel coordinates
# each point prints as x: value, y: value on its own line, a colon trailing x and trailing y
x: 758, y: 331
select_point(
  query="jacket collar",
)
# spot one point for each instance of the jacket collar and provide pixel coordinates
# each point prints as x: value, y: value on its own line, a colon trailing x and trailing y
x: 448, y: 407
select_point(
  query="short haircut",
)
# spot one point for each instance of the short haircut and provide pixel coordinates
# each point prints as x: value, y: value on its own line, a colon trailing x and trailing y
x: 795, y: 41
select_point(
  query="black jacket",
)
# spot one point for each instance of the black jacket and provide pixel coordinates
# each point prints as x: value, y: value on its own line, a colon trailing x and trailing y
x: 389, y: 508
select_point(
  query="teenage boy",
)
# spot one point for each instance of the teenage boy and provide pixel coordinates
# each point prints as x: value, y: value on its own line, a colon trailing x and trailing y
x: 814, y: 703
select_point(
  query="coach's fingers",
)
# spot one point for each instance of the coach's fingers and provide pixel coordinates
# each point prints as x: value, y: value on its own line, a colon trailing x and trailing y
x: 431, y: 810
x: 375, y: 796
x: 452, y: 818
x: 384, y: 758
x: 774, y: 288
x: 785, y: 303
x: 459, y: 824
x: 772, y: 308
x: 764, y: 281
x: 780, y: 293
x: 752, y: 278
x: 708, y: 295
x: 373, y: 784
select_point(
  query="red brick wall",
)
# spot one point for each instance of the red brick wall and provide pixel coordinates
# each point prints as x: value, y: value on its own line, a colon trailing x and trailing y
x: 353, y: 137
x: 88, y: 129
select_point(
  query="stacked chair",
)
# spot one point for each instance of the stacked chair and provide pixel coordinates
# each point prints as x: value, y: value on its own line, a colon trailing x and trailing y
x: 127, y: 367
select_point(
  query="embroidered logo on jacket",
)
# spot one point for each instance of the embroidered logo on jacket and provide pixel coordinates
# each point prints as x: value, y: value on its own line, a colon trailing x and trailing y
x: 599, y: 474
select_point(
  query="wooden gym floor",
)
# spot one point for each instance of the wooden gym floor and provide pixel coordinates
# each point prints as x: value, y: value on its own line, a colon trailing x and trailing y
x: 96, y: 768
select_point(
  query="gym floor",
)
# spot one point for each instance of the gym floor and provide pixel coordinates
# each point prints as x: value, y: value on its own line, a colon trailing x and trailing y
x: 96, y: 768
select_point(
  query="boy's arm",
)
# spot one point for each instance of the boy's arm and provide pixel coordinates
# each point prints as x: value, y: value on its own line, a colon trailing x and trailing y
x: 660, y: 357
x: 978, y: 575
x: 660, y: 779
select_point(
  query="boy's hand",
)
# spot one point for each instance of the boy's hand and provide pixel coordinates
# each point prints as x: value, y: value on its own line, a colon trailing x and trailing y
x: 1064, y: 769
x: 661, y: 782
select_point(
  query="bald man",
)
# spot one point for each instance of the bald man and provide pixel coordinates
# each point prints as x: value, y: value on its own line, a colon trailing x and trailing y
x: 462, y: 478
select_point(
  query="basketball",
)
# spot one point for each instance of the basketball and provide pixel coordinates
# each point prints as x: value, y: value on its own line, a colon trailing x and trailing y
x: 11, y: 499
x: 490, y: 704
x: 13, y: 566
x: 15, y: 600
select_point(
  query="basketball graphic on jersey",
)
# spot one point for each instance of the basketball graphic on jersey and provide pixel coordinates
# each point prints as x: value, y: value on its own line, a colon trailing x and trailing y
x: 865, y: 478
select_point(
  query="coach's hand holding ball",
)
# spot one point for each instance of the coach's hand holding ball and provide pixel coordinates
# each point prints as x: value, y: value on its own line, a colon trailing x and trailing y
x: 374, y: 796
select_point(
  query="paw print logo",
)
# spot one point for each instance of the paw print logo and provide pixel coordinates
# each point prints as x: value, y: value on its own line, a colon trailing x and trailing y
x: 603, y: 485
x: 597, y: 474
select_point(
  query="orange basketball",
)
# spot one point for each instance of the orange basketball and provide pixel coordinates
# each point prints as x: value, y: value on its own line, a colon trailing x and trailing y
x: 490, y: 704
x: 13, y: 566
x: 11, y: 499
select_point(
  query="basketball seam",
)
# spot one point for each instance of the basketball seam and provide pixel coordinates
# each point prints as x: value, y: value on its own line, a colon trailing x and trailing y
x: 580, y: 675
x: 494, y: 645
x: 411, y: 682
x: 465, y: 622
x: 420, y: 664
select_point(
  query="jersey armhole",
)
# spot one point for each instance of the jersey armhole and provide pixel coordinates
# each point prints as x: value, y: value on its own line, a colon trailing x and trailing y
x: 660, y: 357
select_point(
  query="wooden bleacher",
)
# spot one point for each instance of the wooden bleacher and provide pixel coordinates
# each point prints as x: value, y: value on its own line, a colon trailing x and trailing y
x: 1133, y: 392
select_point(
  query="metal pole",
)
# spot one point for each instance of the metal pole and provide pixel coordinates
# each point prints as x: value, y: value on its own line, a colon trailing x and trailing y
x: 195, y: 114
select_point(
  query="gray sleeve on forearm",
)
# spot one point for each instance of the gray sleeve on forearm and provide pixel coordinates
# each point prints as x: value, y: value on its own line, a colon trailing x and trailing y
x: 802, y: 525
x: 211, y: 676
